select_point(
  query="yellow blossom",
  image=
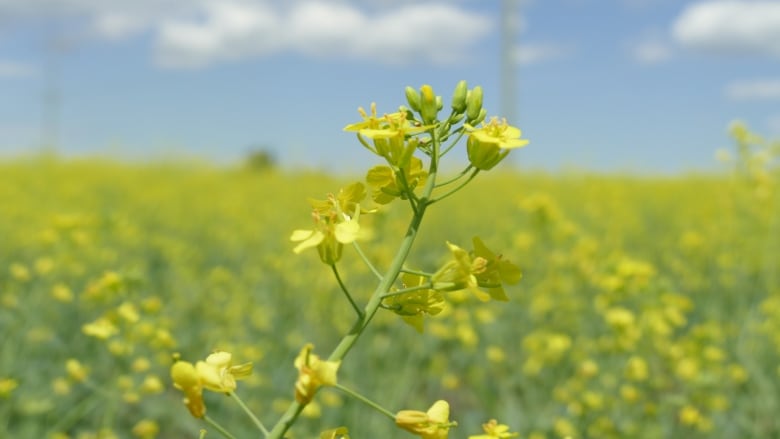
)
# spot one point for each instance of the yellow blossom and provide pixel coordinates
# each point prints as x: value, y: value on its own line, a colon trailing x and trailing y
x: 313, y: 373
x: 218, y: 374
x: 101, y: 328
x: 491, y: 143
x: 335, y: 433
x: 481, y: 268
x: 494, y: 430
x: 76, y: 371
x: 146, y: 429
x: 7, y: 386
x: 433, y: 424
x: 185, y: 378
x: 414, y: 305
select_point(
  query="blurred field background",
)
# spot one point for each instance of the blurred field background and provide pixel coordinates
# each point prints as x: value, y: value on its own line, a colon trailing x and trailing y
x: 649, y: 307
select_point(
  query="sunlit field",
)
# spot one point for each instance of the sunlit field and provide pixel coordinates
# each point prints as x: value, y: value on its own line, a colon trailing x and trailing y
x: 649, y: 306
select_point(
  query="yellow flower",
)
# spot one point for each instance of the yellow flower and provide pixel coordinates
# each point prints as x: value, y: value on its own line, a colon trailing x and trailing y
x: 414, y: 305
x: 146, y: 429
x: 491, y: 143
x: 389, y: 184
x: 388, y: 134
x: 7, y: 386
x: 457, y: 274
x: 336, y: 223
x: 76, y: 371
x: 497, y: 270
x: 335, y: 433
x: 185, y: 378
x: 218, y: 374
x: 471, y: 271
x: 433, y: 424
x: 494, y: 430
x: 313, y: 373
x: 102, y: 328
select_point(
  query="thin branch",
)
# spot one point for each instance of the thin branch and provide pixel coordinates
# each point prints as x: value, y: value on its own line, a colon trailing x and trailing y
x: 460, y: 186
x: 366, y: 260
x: 346, y: 292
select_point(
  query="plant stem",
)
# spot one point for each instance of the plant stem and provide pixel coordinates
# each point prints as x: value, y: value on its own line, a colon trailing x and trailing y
x: 366, y: 260
x: 344, y: 289
x: 426, y: 286
x: 416, y: 272
x: 459, y: 187
x: 249, y: 413
x: 366, y: 401
x: 346, y: 343
x: 218, y: 427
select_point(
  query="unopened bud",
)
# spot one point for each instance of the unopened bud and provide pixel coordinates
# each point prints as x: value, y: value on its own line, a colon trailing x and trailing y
x: 474, y: 103
x: 428, y: 104
x: 413, y: 97
x: 459, y: 97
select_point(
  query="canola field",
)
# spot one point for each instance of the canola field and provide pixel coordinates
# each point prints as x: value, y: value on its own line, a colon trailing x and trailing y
x: 649, y: 306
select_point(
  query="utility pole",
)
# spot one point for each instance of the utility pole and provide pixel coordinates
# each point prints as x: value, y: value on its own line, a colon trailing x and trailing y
x: 510, y: 27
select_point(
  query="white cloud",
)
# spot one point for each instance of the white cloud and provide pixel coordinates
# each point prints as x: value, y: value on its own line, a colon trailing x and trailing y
x: 536, y: 53
x: 15, y: 69
x: 237, y: 29
x: 758, y: 89
x: 731, y: 27
x: 651, y: 52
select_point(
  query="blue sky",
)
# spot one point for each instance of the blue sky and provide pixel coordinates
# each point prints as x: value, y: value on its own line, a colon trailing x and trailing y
x: 642, y: 85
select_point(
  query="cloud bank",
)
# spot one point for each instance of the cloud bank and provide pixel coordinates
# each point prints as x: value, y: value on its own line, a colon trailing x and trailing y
x: 199, y: 33
x: 730, y: 27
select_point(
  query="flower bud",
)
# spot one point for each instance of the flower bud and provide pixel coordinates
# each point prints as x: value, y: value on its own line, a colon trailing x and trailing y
x: 481, y: 117
x: 484, y: 155
x: 428, y: 104
x: 459, y: 97
x: 413, y: 98
x: 474, y: 103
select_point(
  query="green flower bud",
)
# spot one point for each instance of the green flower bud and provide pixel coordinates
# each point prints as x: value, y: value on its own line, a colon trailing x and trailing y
x: 413, y: 98
x: 474, y: 103
x: 439, y: 103
x: 428, y: 104
x: 459, y: 97
x: 481, y: 117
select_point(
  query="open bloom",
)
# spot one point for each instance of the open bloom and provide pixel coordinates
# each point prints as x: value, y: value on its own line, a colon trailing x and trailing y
x: 473, y: 271
x: 335, y: 224
x: 217, y: 374
x: 388, y: 134
x: 491, y: 143
x: 414, y: 305
x: 185, y: 378
x: 433, y: 424
x: 494, y: 430
x: 313, y: 373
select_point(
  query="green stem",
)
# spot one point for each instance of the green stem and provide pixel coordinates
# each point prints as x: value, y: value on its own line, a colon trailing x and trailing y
x: 455, y: 142
x: 218, y: 427
x: 366, y: 401
x: 456, y: 189
x: 366, y: 260
x: 427, y: 286
x: 365, y: 144
x: 249, y: 413
x: 344, y: 289
x: 346, y: 343
x: 456, y: 178
x: 416, y: 272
